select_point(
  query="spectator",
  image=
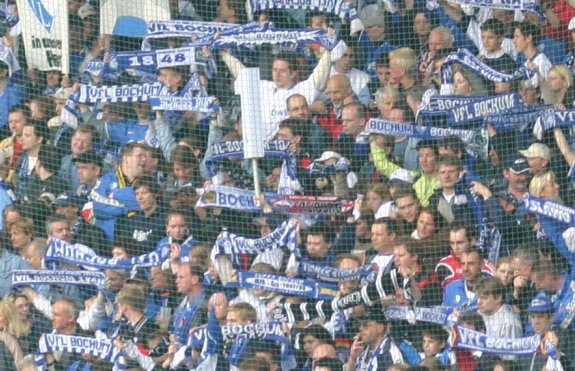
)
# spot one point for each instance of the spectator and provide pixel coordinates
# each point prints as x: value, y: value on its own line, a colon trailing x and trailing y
x: 371, y: 336
x: 82, y: 141
x: 116, y: 186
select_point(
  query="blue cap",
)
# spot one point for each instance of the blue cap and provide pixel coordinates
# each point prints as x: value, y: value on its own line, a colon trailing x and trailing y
x: 130, y: 26
x: 68, y: 198
x: 541, y: 304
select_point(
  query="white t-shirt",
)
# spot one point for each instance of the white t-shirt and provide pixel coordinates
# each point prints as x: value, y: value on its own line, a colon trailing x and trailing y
x: 274, y: 107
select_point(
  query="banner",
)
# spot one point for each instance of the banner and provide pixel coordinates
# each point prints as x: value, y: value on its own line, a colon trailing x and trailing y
x: 235, y: 148
x: 550, y: 209
x: 27, y: 277
x: 78, y: 254
x: 143, y: 11
x: 196, y: 104
x: 101, y: 348
x: 476, y: 140
x: 474, y: 111
x: 285, y: 285
x: 45, y: 32
x: 181, y: 28
x: 331, y: 274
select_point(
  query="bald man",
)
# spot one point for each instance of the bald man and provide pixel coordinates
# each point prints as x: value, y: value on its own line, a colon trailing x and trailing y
x: 339, y: 92
x: 359, y: 80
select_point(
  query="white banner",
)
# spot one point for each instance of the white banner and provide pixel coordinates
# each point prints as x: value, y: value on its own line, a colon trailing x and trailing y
x: 145, y: 10
x: 45, y: 32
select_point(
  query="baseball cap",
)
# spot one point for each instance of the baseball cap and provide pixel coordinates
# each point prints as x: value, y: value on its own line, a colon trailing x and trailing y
x: 68, y: 198
x: 571, y: 26
x: 518, y: 166
x: 401, y: 176
x: 374, y: 314
x: 328, y: 155
x: 537, y: 150
x: 541, y: 304
x: 372, y: 16
x: 137, y: 276
x: 62, y: 93
x: 87, y: 10
x: 90, y: 158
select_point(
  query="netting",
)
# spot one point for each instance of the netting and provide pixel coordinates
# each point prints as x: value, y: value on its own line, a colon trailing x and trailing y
x: 287, y: 185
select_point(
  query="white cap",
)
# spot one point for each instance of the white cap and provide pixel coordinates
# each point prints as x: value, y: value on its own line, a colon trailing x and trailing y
x: 328, y: 155
x: 401, y: 176
x: 571, y: 26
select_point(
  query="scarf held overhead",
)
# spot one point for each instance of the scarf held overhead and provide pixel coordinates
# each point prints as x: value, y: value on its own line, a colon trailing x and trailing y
x: 59, y: 250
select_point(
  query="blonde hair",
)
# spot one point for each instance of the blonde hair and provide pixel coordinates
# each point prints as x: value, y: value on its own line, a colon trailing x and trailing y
x: 406, y: 58
x: 540, y: 181
x: 14, y: 325
x: 245, y: 311
x: 380, y: 189
x: 564, y: 72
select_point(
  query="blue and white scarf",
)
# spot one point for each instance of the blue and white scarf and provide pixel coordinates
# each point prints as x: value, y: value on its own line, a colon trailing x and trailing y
x: 235, y: 149
x: 470, y: 62
x: 553, y: 119
x: 517, y: 118
x: 208, y: 40
x: 549, y: 209
x: 312, y: 205
x: 330, y: 274
x: 118, y: 93
x: 232, y: 244
x: 465, y: 338
x: 27, y: 277
x: 476, y: 140
x: 439, y: 314
x: 441, y: 103
x: 341, y: 8
x: 529, y: 5
x: 258, y: 330
x: 101, y: 348
x: 474, y: 111
x: 284, y: 285
x: 150, y: 61
x: 272, y: 36
x: 181, y: 28
x: 231, y: 198
x: 196, y: 104
x: 59, y: 250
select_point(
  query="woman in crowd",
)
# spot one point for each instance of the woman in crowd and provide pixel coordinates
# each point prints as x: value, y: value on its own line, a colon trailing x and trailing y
x: 560, y: 84
x: 21, y: 233
x: 12, y: 330
x: 377, y: 195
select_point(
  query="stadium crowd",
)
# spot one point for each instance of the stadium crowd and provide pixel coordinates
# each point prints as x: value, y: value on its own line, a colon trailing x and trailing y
x: 384, y: 238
